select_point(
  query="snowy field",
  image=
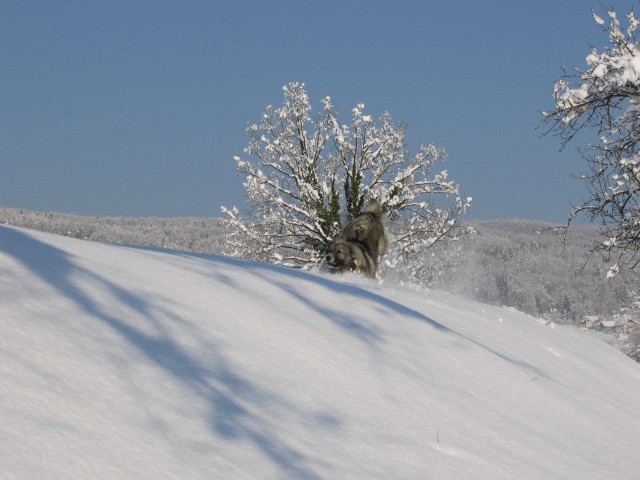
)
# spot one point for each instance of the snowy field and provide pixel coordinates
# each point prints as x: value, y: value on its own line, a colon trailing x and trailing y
x: 130, y: 363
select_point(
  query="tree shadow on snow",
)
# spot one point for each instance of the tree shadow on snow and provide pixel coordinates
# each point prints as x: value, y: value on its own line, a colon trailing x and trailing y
x: 236, y: 404
x: 349, y: 321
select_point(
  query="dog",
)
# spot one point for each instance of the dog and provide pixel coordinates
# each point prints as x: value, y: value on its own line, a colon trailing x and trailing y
x: 344, y: 257
x: 362, y: 241
x: 369, y: 230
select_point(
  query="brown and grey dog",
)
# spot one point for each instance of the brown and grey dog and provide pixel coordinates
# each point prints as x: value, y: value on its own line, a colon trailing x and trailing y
x: 362, y: 241
x: 346, y: 257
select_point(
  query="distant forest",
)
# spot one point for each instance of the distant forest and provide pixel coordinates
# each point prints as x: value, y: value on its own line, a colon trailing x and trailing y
x: 527, y: 265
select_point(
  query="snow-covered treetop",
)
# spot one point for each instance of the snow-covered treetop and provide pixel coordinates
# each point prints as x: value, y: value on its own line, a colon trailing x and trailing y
x: 305, y: 175
x: 605, y: 97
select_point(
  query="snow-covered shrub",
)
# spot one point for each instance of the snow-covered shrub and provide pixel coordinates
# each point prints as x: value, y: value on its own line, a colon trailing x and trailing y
x: 305, y: 176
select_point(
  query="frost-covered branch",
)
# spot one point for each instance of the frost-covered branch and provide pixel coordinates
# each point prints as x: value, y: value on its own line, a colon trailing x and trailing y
x: 305, y: 176
x: 605, y: 98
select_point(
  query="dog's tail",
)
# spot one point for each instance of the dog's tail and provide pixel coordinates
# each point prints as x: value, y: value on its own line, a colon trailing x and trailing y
x: 375, y: 208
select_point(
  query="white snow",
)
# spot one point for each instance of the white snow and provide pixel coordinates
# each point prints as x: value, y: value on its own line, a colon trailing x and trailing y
x: 598, y: 19
x: 120, y: 362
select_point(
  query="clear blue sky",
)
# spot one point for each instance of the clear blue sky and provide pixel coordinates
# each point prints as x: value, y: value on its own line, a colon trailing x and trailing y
x: 136, y: 108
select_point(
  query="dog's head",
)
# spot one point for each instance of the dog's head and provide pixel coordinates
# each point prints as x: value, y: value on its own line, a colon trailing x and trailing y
x: 340, y: 256
x: 344, y: 256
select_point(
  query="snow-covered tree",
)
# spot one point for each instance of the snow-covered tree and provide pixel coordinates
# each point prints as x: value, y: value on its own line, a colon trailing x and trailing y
x: 305, y: 176
x: 605, y: 99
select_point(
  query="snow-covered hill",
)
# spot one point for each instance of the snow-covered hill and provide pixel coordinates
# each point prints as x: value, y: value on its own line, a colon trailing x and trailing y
x: 120, y: 362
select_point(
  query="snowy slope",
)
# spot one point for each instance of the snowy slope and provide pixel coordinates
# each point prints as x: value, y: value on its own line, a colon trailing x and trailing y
x: 119, y: 362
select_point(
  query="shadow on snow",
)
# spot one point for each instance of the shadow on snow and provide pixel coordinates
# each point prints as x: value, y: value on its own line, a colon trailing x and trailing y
x: 235, y: 401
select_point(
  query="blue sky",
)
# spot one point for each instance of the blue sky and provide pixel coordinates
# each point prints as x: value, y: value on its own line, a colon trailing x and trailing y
x: 136, y: 108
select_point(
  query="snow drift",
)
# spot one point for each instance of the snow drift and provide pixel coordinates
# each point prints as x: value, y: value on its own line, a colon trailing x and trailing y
x: 120, y: 362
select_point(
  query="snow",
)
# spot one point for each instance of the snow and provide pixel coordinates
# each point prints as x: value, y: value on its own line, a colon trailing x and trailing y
x: 121, y: 362
x: 598, y: 19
